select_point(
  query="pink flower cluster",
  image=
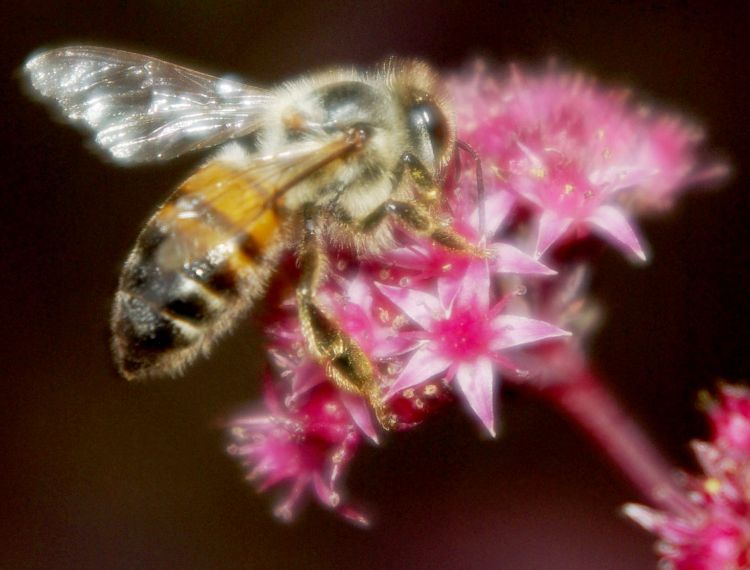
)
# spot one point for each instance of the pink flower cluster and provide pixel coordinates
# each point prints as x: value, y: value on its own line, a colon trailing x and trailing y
x: 716, y: 536
x: 583, y: 158
x: 562, y: 158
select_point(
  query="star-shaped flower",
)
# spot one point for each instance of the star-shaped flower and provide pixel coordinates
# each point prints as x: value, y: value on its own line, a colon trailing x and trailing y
x: 461, y: 337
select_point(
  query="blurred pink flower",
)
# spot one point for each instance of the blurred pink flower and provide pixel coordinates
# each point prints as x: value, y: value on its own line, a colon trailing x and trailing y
x: 717, y: 535
x: 303, y: 444
x: 730, y: 420
x: 583, y: 158
x: 463, y: 338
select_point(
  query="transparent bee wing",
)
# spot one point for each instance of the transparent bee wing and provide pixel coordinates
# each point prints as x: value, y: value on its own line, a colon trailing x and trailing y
x: 142, y: 108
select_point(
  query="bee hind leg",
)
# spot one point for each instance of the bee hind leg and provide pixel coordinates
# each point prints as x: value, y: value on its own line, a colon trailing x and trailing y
x: 346, y: 364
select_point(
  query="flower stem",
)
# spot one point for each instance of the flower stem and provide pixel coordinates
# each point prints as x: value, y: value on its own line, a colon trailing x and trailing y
x: 586, y: 401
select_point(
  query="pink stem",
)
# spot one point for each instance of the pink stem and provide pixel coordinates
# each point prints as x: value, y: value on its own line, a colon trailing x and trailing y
x: 591, y: 406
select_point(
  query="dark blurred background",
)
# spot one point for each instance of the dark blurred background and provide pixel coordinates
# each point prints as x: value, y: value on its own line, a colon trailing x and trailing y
x: 98, y: 473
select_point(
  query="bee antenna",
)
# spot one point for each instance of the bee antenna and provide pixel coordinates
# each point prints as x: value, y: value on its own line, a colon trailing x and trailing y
x: 466, y: 147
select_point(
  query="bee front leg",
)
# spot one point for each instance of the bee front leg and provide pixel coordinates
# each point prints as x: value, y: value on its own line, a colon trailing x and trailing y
x: 419, y: 216
x: 346, y: 364
x: 419, y: 220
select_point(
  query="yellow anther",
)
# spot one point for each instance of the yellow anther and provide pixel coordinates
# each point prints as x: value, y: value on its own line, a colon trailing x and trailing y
x: 712, y: 486
x: 538, y: 172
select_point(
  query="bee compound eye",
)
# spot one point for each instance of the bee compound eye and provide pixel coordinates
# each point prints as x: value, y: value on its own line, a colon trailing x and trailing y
x: 427, y: 120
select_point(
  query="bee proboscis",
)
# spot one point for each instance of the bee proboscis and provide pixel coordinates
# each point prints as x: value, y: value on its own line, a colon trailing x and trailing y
x: 336, y: 157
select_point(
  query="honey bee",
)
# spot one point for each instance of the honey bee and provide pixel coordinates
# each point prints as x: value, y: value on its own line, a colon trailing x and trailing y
x: 338, y: 157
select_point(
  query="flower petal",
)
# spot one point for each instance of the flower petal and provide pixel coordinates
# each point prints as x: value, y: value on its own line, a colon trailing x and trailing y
x: 610, y: 222
x: 648, y: 518
x: 325, y: 493
x: 359, y: 410
x: 421, y: 307
x: 551, y: 228
x: 413, y: 255
x: 304, y: 378
x: 391, y: 345
x: 497, y: 205
x: 359, y: 292
x: 614, y: 178
x: 447, y: 288
x: 509, y: 259
x: 513, y: 331
x: 423, y: 365
x: 477, y: 383
x: 475, y: 286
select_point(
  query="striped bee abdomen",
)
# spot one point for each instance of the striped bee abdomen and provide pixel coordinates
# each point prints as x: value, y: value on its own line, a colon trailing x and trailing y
x: 198, y: 264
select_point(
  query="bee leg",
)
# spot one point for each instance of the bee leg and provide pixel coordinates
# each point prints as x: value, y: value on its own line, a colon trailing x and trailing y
x: 346, y: 364
x: 418, y: 216
x: 466, y: 147
x: 418, y: 219
x: 426, y: 191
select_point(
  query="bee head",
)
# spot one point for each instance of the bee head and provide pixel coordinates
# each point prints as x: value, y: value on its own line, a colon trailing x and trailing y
x: 427, y: 114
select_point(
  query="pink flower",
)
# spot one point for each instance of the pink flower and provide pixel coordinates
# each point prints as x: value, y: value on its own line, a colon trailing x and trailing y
x: 575, y: 153
x: 675, y: 146
x: 463, y: 338
x: 730, y: 420
x: 361, y: 311
x: 717, y: 535
x: 365, y: 313
x: 562, y: 158
x: 302, y: 444
x: 420, y: 261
